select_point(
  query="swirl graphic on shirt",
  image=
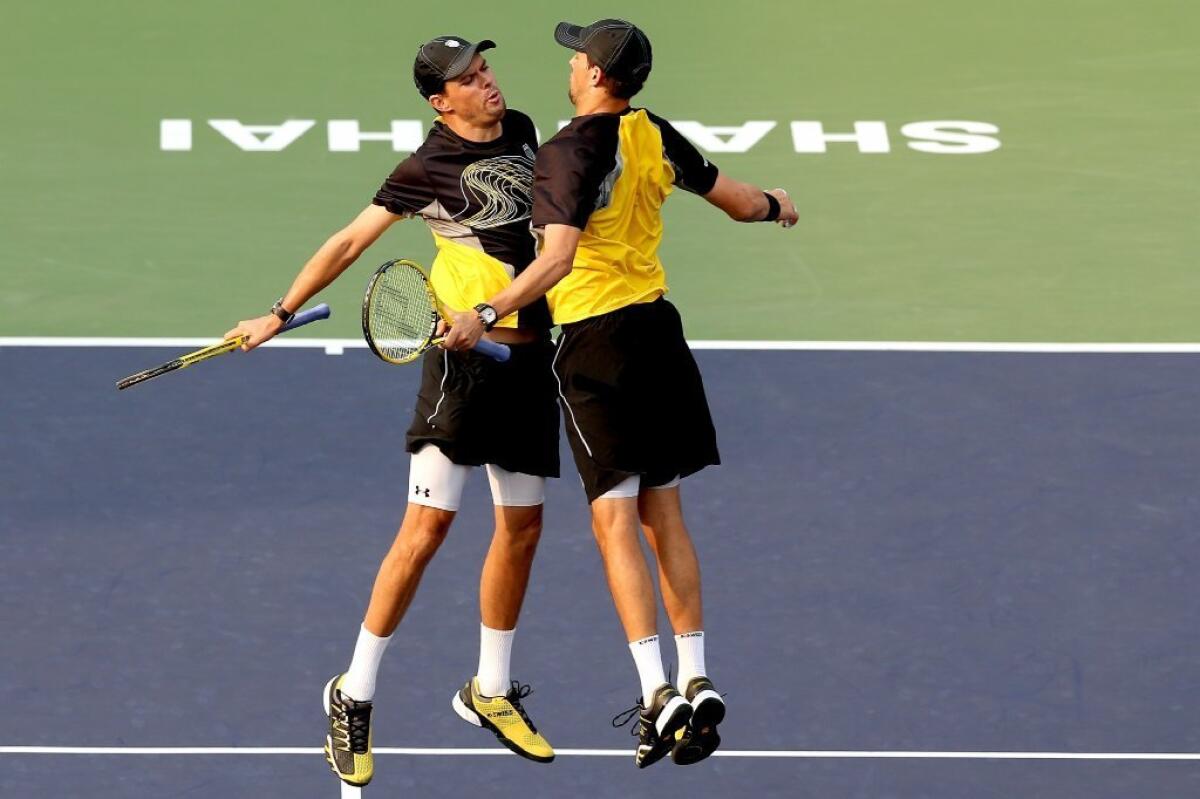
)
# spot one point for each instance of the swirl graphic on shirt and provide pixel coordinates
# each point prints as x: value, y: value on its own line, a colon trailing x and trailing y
x: 503, y: 186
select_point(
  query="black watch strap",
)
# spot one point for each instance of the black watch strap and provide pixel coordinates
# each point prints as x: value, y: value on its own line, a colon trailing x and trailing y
x: 487, y: 315
x: 284, y: 314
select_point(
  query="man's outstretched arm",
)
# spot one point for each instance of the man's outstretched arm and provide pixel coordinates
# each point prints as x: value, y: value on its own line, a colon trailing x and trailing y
x: 745, y: 202
x: 333, y: 258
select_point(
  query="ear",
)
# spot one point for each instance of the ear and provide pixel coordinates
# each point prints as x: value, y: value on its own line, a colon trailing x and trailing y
x: 440, y: 103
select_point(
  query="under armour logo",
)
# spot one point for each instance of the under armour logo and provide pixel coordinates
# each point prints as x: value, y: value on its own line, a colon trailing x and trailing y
x: 417, y: 491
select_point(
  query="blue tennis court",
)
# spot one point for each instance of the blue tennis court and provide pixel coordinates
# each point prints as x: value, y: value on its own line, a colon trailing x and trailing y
x: 904, y: 552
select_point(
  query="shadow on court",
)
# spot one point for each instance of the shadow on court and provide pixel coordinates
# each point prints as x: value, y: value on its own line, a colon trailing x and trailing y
x: 902, y: 551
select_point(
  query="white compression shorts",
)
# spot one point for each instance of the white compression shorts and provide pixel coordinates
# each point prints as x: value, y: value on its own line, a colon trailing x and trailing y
x: 436, y: 481
x: 630, y: 486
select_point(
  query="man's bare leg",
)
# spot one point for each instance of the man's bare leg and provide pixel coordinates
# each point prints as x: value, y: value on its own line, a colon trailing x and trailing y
x: 661, y: 515
x: 502, y: 590
x: 421, y: 533
x: 617, y: 530
x: 488, y: 701
x: 506, y: 568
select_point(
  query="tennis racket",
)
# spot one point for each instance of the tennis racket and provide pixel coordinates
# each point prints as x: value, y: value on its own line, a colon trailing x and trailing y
x: 400, y: 315
x: 228, y: 345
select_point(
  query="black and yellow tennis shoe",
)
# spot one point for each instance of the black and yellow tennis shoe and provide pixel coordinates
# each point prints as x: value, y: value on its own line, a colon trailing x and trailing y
x: 504, y: 716
x: 699, y: 738
x: 348, y: 744
x: 658, y: 724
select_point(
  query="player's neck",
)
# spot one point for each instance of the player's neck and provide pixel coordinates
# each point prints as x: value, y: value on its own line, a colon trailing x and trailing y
x: 599, y: 103
x: 475, y: 133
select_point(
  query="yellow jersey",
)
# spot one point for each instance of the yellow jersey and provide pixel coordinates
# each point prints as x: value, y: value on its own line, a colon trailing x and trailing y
x: 608, y: 175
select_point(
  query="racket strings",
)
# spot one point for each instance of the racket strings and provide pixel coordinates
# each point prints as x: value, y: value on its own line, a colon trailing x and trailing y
x: 402, y: 318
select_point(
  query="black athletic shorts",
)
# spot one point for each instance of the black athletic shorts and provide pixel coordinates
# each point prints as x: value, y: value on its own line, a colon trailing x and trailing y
x: 477, y: 410
x: 633, y: 398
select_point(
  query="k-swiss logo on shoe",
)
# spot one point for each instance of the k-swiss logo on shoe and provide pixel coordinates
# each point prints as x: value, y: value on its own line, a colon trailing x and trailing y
x: 502, y: 713
x: 417, y: 491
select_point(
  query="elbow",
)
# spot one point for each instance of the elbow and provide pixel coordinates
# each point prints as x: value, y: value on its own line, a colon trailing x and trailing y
x: 560, y: 266
x: 563, y: 268
x: 346, y: 247
x: 352, y: 250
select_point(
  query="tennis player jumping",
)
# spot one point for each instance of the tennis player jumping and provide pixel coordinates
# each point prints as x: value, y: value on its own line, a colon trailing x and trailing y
x: 471, y: 182
x: 637, y: 417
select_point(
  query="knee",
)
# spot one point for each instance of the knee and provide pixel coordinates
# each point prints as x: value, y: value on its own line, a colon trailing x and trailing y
x: 524, y: 547
x: 521, y: 535
x: 419, y: 547
x: 526, y: 537
x: 613, y: 531
x: 416, y: 545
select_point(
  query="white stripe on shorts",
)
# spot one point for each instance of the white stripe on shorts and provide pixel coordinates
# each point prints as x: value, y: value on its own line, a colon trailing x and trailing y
x: 442, y: 386
x: 567, y: 405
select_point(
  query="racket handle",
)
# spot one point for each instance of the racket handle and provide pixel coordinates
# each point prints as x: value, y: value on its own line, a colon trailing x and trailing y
x: 500, y: 352
x: 313, y: 314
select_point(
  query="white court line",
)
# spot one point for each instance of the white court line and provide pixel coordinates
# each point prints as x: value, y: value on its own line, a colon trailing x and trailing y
x: 749, y: 753
x: 335, y: 346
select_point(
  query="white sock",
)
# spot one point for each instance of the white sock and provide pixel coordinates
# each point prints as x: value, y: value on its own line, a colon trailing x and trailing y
x: 359, y: 684
x: 495, y: 654
x: 690, y: 647
x: 648, y: 660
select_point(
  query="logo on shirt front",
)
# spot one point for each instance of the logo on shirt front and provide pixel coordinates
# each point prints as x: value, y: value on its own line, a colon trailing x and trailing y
x: 503, y: 188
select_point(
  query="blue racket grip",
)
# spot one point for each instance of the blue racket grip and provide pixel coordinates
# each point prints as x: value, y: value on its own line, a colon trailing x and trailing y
x: 500, y: 352
x: 317, y: 312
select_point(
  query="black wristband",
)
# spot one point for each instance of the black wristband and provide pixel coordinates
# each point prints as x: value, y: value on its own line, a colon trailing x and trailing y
x: 772, y: 209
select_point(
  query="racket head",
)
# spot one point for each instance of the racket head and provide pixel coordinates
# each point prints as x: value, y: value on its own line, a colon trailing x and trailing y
x: 399, y: 313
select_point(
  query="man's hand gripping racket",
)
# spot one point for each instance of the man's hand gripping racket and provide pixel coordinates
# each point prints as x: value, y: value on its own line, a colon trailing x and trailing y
x: 400, y: 317
x: 233, y: 340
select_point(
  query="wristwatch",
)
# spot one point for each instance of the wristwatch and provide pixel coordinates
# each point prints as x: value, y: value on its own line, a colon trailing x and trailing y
x: 284, y: 315
x: 487, y: 315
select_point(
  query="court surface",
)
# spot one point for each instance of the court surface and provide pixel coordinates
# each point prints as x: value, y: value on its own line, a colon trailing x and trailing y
x: 953, y: 575
x: 932, y: 555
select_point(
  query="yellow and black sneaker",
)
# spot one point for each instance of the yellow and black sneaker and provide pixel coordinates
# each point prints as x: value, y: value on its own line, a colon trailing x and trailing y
x: 348, y: 744
x: 657, y: 724
x: 698, y: 738
x: 505, y: 717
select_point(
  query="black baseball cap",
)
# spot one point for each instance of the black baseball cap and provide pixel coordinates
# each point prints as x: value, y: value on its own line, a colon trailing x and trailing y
x: 616, y: 46
x: 443, y: 59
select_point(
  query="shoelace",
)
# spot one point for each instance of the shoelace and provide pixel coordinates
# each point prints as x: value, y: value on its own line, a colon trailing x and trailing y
x: 358, y: 720
x: 516, y: 693
x: 626, y: 716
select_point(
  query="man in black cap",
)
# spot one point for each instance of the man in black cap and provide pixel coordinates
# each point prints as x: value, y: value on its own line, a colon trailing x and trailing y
x: 471, y: 182
x: 637, y: 417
